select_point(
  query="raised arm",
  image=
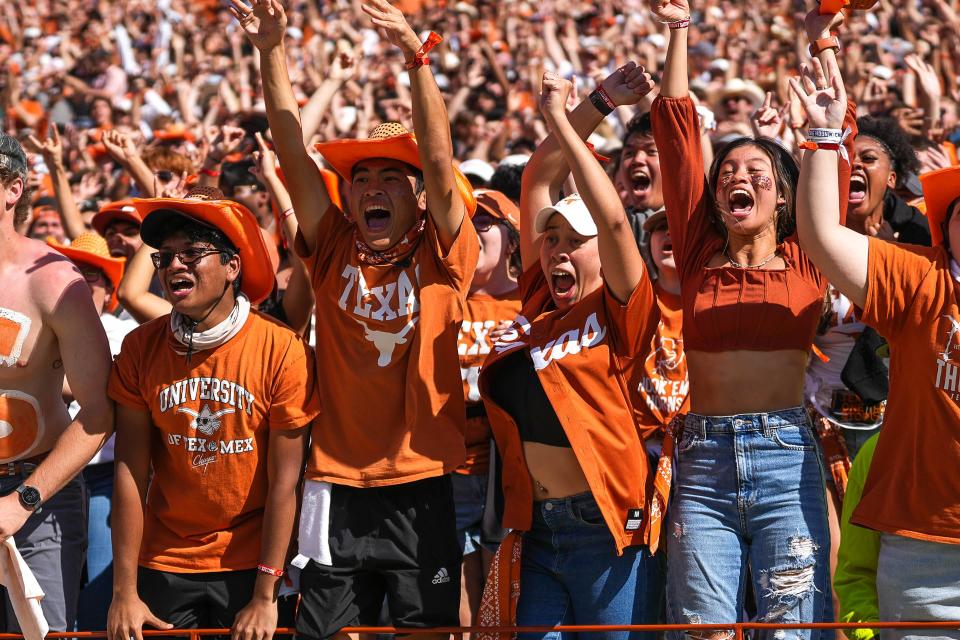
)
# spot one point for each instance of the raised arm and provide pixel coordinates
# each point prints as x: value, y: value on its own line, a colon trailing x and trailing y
x: 430, y: 124
x: 619, y: 254
x: 134, y: 290
x: 265, y: 25
x: 840, y: 253
x: 51, y: 148
x: 674, y: 83
x: 547, y: 169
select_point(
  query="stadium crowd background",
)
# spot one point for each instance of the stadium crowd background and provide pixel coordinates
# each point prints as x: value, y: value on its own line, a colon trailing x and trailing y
x: 127, y: 98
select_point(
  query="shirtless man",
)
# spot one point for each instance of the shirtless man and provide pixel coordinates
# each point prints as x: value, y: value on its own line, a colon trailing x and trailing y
x: 45, y: 304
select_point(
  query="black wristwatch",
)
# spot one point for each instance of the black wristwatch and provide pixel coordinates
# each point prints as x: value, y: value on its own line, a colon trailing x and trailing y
x: 29, y: 497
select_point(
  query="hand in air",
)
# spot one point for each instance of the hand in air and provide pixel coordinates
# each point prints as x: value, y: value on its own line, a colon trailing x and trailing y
x: 392, y: 23
x: 670, y: 10
x: 822, y: 94
x: 553, y: 96
x: 768, y: 120
x: 628, y: 84
x: 264, y: 23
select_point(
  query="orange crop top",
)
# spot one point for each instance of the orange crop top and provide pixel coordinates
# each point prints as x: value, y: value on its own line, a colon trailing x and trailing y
x: 728, y: 308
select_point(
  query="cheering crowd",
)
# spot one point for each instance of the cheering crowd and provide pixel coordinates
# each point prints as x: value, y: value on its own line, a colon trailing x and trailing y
x: 326, y: 314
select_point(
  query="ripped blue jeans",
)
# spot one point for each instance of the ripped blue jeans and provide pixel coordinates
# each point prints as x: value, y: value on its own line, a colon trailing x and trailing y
x: 749, y: 491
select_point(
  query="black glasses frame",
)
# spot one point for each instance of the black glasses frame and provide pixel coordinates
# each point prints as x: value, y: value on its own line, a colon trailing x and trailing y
x: 163, y: 259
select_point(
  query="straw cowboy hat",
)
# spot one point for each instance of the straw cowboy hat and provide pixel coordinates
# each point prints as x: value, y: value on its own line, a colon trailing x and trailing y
x: 746, y: 88
x: 389, y: 140
x: 122, y: 210
x: 940, y: 189
x: 207, y: 206
x: 91, y: 249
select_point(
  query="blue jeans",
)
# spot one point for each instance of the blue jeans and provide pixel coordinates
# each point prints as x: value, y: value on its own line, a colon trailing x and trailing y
x: 571, y: 573
x: 749, y: 489
x: 97, y: 593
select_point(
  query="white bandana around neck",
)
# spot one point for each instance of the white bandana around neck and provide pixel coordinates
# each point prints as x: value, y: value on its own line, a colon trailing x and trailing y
x: 215, y: 336
x: 955, y: 269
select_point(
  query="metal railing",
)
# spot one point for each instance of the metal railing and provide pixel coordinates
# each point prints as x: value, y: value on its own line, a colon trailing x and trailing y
x: 738, y: 628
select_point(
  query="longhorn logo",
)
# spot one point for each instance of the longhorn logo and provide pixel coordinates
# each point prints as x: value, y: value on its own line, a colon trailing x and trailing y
x: 384, y: 341
x: 206, y: 421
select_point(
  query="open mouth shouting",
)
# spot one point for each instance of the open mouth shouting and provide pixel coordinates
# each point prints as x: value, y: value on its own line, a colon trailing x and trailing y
x: 740, y: 203
x: 640, y: 182
x: 858, y: 189
x: 180, y: 286
x: 563, y: 284
x: 376, y: 218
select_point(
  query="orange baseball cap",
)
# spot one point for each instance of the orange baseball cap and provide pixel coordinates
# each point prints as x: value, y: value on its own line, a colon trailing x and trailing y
x: 230, y: 217
x: 498, y: 205
x: 122, y: 210
x: 389, y: 140
x: 91, y: 249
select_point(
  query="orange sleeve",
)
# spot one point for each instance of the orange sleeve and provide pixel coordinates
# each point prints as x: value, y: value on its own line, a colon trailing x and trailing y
x: 896, y: 274
x: 676, y: 129
x: 124, y: 386
x: 295, y: 401
x: 633, y: 323
x: 461, y: 260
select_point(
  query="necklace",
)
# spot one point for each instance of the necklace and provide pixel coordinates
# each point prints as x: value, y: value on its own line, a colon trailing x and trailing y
x: 750, y: 266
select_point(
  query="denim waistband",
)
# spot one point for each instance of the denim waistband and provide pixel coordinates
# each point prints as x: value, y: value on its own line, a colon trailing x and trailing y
x: 747, y: 422
x: 555, y: 511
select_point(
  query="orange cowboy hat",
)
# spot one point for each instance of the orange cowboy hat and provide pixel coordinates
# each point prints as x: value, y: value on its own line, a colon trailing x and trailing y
x: 91, y: 249
x: 173, y: 132
x: 389, y: 140
x: 497, y: 205
x: 208, y: 207
x: 940, y: 189
x: 112, y: 211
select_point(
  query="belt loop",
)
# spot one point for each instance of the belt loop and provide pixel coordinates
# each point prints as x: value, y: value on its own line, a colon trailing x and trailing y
x: 767, y: 431
x: 703, y: 427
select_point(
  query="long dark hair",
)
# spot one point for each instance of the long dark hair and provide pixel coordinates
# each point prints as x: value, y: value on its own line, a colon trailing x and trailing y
x: 786, y: 174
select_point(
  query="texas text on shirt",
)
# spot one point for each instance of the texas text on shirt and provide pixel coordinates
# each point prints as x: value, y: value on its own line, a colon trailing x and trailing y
x: 387, y: 335
x: 481, y: 315
x: 583, y: 358
x: 914, y: 301
x: 663, y: 385
x: 212, y: 417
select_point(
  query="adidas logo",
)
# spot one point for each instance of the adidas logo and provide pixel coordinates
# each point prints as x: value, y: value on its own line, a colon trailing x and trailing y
x: 442, y: 577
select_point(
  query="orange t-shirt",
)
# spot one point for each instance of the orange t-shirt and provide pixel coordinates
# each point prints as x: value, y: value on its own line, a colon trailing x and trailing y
x: 913, y: 488
x: 386, y: 339
x: 481, y: 315
x: 208, y: 450
x: 663, y: 385
x: 584, y: 358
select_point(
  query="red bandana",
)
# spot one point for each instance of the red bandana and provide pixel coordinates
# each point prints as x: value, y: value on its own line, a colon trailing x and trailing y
x: 394, y: 254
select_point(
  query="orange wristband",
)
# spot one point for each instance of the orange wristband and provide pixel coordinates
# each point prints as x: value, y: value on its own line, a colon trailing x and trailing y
x: 420, y: 57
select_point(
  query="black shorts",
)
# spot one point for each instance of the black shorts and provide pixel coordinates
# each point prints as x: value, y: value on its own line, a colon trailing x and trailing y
x: 397, y: 542
x: 203, y: 600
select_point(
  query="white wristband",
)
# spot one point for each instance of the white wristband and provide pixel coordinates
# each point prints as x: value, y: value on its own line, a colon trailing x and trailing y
x: 831, y: 136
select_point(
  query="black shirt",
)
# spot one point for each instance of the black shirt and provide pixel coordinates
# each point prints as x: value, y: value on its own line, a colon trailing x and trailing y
x: 517, y: 389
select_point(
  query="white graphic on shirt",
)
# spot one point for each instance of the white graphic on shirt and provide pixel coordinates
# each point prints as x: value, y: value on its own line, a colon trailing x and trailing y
x: 397, y: 299
x: 664, y: 386
x: 948, y: 368
x: 14, y: 328
x: 386, y: 342
x: 569, y: 343
x: 205, y: 421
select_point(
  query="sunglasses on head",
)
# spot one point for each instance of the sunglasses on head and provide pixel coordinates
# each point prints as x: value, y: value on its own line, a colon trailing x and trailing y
x: 164, y: 258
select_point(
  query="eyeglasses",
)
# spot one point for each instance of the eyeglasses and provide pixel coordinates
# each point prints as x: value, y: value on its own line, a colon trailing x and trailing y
x: 483, y: 223
x: 164, y: 175
x: 92, y: 276
x: 163, y: 259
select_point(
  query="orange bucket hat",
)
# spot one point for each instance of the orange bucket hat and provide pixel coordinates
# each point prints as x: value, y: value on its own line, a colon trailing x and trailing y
x: 112, y: 211
x: 90, y: 249
x: 389, y: 140
x: 234, y: 220
x: 498, y: 205
x: 940, y: 189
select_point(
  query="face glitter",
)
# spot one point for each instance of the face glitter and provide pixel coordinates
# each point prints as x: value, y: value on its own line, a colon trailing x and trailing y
x: 762, y: 182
